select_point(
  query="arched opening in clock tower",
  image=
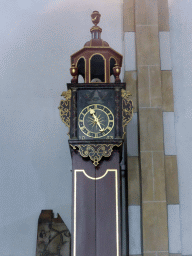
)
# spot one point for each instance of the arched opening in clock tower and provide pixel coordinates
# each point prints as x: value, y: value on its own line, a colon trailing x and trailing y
x: 97, y: 65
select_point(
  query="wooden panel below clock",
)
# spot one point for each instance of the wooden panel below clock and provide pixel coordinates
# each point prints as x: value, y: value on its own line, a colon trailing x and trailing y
x: 96, y: 206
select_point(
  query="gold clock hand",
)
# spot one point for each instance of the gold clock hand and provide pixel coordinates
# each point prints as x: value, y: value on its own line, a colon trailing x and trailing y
x: 92, y: 112
x: 98, y: 123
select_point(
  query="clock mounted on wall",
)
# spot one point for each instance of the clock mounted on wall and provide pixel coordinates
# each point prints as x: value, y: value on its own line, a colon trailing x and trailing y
x: 96, y: 113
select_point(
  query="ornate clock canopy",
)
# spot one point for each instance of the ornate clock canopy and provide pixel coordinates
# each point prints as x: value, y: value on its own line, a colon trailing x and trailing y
x: 96, y: 61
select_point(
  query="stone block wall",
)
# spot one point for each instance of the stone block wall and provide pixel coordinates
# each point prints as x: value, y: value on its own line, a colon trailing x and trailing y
x: 152, y: 161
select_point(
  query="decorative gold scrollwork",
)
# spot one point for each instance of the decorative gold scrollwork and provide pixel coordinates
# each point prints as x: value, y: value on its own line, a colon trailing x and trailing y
x: 65, y: 108
x: 127, y: 108
x: 66, y: 95
x: 95, y: 152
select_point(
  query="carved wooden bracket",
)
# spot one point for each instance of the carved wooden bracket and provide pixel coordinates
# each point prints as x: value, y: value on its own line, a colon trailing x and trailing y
x: 95, y: 152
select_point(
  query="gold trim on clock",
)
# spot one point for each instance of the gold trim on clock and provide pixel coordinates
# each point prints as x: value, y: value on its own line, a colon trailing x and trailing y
x: 75, y: 208
x: 96, y: 121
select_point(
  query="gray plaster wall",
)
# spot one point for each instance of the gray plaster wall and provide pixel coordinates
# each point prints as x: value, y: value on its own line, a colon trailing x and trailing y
x: 37, y: 39
x: 180, y: 13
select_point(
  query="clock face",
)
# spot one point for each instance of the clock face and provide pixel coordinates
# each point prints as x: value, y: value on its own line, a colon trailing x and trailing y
x: 96, y: 121
x: 95, y: 112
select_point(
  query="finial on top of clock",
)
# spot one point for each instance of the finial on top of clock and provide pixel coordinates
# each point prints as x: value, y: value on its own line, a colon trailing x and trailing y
x: 96, y: 30
x: 95, y: 17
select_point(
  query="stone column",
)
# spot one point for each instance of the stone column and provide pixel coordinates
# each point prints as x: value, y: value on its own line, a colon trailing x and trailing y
x: 152, y: 168
x: 150, y: 119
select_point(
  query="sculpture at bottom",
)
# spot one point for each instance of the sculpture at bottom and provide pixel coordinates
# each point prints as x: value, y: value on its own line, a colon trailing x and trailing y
x: 53, y: 236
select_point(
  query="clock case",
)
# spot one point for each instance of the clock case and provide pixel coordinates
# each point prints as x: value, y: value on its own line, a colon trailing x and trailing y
x: 96, y: 181
x: 117, y: 111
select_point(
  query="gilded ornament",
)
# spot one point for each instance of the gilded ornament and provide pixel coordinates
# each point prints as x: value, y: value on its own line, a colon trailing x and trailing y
x: 127, y: 108
x: 65, y: 108
x: 95, y: 152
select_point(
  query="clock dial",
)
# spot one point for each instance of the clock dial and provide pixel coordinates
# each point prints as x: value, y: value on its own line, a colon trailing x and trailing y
x: 96, y: 121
